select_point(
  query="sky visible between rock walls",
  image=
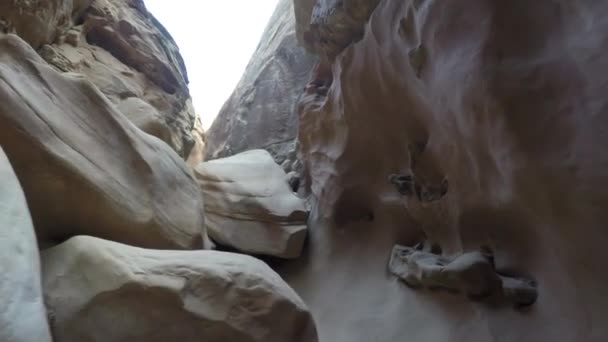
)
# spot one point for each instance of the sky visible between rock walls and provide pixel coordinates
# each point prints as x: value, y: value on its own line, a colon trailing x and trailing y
x: 216, y: 39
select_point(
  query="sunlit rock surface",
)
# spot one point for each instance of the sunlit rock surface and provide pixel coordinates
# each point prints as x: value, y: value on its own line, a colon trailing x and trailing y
x: 85, y: 169
x: 121, y: 48
x: 22, y: 313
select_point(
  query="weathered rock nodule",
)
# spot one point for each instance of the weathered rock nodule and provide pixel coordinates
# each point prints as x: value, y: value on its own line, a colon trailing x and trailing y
x: 85, y: 169
x: 22, y: 312
x: 101, y: 291
x: 250, y: 206
x: 473, y: 274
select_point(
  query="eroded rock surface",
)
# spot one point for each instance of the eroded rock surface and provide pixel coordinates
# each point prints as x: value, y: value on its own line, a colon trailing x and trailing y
x: 84, y: 167
x: 102, y: 291
x: 250, y: 206
x: 505, y: 99
x: 121, y: 48
x: 262, y: 111
x: 473, y: 274
x: 22, y: 313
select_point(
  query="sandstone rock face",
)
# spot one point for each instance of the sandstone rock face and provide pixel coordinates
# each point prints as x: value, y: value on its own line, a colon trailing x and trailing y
x: 250, y: 206
x: 84, y: 167
x: 503, y: 101
x: 102, y: 291
x: 261, y: 113
x: 326, y: 27
x: 118, y: 46
x: 40, y: 22
x: 22, y: 313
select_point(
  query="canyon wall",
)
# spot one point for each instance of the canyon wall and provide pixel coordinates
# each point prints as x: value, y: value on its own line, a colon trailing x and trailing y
x: 262, y: 111
x: 495, y: 112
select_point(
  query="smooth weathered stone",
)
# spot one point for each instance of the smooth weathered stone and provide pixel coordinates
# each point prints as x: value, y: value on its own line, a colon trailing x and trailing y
x: 85, y: 169
x: 250, y: 206
x: 22, y: 312
x: 99, y: 291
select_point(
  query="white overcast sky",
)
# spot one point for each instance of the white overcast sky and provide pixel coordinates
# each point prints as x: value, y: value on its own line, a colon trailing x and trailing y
x: 216, y: 39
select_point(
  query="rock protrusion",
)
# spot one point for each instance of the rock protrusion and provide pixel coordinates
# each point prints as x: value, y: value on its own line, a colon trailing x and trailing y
x: 472, y: 273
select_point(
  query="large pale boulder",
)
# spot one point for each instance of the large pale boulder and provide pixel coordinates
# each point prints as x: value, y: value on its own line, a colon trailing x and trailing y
x: 84, y: 167
x: 261, y: 113
x: 250, y: 206
x: 98, y: 290
x: 22, y: 313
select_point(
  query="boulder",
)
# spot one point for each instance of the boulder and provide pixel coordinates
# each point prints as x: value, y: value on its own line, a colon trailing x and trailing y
x: 98, y: 290
x: 22, y: 313
x: 261, y: 113
x: 250, y: 206
x: 86, y: 169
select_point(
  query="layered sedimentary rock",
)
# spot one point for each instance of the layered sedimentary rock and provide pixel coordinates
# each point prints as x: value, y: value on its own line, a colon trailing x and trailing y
x: 84, y: 167
x: 122, y: 49
x: 22, y: 313
x: 499, y: 102
x: 261, y: 113
x: 98, y: 290
x: 250, y: 206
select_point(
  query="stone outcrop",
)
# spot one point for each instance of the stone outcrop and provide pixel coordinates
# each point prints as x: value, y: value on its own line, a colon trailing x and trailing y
x: 22, y: 313
x: 262, y: 111
x: 503, y: 101
x: 250, y: 206
x: 84, y: 167
x: 122, y: 49
x: 472, y: 273
x: 98, y: 290
x: 326, y: 27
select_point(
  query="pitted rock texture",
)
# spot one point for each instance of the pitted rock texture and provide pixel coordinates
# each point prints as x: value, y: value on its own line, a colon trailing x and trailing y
x: 262, y: 111
x: 102, y: 291
x: 326, y: 27
x: 121, y: 48
x: 505, y: 99
x: 250, y: 205
x: 472, y: 273
x: 85, y: 169
x: 22, y: 313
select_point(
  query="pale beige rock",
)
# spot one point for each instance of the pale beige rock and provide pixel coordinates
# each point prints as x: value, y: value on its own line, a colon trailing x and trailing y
x: 121, y: 48
x: 250, y: 206
x: 98, y: 290
x: 145, y: 117
x: 22, y: 312
x: 84, y: 167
